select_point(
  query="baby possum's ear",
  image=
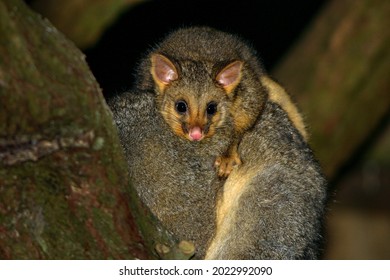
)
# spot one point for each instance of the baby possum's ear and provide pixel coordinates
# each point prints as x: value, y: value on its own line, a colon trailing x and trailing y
x: 163, y: 71
x: 230, y: 76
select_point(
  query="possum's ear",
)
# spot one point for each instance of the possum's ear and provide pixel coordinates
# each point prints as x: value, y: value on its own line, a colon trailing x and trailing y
x: 230, y: 76
x: 163, y: 71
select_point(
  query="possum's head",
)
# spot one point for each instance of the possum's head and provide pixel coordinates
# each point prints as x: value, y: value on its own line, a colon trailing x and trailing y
x: 194, y: 97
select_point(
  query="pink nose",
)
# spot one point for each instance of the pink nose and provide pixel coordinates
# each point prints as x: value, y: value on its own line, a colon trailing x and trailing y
x: 195, y: 133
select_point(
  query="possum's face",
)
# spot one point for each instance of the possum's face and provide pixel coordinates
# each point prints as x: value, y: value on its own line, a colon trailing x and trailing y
x: 194, y: 115
x: 193, y: 101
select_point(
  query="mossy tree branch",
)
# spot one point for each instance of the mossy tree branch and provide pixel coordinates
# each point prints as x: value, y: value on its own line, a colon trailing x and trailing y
x: 64, y: 189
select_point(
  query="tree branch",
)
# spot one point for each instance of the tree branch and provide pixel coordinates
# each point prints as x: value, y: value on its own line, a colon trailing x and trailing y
x: 64, y: 188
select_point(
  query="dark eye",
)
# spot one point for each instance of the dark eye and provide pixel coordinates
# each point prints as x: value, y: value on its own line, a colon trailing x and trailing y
x: 211, y: 108
x: 181, y: 107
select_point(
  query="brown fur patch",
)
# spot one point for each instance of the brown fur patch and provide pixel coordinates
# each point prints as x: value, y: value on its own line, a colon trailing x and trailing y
x: 172, y: 118
x: 242, y: 119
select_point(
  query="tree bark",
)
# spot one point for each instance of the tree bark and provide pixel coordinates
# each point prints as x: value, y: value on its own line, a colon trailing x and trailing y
x: 339, y: 74
x: 64, y: 188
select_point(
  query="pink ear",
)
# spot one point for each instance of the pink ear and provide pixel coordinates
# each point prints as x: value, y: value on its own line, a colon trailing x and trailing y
x: 230, y: 76
x: 163, y: 70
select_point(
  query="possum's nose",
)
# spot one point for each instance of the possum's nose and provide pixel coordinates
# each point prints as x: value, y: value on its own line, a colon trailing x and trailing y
x: 196, y: 133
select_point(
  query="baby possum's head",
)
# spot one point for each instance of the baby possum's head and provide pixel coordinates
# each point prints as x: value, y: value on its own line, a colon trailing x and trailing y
x: 194, y: 96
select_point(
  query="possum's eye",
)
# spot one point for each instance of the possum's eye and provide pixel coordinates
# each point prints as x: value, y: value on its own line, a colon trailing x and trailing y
x: 181, y: 107
x: 211, y: 108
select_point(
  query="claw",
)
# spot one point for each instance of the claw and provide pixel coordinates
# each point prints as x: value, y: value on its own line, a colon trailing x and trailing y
x: 226, y: 164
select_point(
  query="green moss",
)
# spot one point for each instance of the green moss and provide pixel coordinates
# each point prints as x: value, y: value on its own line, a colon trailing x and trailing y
x: 103, y: 223
x: 98, y: 144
